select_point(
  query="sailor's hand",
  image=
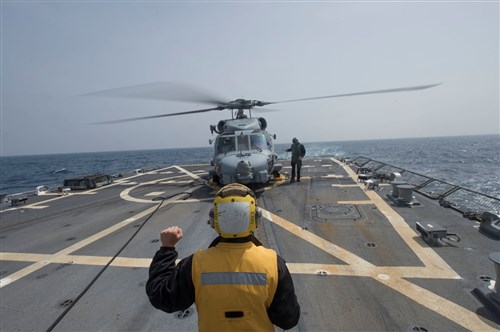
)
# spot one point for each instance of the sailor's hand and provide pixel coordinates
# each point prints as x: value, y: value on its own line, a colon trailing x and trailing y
x: 170, y: 236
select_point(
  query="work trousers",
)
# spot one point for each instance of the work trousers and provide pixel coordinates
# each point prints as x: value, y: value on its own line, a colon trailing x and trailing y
x: 296, y: 164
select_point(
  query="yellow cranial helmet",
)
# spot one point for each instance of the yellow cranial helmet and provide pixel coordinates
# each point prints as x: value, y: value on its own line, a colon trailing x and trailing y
x: 235, y: 211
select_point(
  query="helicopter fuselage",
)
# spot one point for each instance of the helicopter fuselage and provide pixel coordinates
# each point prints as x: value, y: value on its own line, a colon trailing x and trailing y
x: 244, y: 152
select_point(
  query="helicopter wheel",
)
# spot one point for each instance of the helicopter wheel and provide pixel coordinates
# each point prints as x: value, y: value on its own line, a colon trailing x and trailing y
x: 278, y: 176
x: 216, y: 179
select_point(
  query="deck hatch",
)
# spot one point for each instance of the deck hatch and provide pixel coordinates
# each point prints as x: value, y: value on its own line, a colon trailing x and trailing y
x: 332, y: 212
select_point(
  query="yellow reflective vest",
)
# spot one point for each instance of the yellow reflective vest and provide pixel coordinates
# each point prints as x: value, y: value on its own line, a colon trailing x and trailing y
x: 234, y: 285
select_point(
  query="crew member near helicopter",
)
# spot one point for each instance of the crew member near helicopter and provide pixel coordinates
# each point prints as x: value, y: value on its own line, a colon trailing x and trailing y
x: 236, y: 283
x: 298, y: 152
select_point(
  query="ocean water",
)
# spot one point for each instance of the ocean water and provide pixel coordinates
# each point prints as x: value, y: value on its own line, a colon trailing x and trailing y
x: 472, y: 162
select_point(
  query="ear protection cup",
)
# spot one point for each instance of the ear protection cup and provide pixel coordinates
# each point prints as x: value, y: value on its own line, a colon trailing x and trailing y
x: 211, y: 218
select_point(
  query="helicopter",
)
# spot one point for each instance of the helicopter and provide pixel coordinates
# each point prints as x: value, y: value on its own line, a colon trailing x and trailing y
x: 243, y: 150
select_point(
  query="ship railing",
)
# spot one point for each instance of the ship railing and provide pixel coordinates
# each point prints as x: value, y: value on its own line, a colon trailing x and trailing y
x: 22, y: 197
x: 469, y: 202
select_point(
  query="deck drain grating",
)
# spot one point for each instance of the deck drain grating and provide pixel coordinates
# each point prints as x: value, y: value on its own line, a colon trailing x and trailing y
x: 486, y: 279
x: 66, y: 303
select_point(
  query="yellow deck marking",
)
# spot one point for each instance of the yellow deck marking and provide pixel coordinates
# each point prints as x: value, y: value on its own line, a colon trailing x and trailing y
x: 21, y: 257
x: 77, y: 259
x: 316, y: 240
x: 426, y: 254
x: 47, y: 259
x: 355, y: 202
x: 39, y: 264
x: 392, y: 277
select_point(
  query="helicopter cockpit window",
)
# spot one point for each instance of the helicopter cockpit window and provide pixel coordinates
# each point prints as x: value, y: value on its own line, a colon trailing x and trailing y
x: 242, y: 143
x: 226, y: 144
x: 258, y: 142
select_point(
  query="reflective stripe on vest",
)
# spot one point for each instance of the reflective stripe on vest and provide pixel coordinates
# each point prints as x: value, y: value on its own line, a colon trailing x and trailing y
x: 231, y: 301
x: 233, y: 278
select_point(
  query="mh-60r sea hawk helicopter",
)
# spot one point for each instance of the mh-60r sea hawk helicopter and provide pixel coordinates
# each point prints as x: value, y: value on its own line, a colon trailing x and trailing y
x: 243, y: 149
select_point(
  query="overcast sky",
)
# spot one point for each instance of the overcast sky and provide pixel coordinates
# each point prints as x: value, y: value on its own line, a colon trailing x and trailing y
x: 54, y: 52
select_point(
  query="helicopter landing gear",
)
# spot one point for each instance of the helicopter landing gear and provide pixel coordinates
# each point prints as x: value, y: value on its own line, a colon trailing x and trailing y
x: 278, y: 176
x: 216, y: 179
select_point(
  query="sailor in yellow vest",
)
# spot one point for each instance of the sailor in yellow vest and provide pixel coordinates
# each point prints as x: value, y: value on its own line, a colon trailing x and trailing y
x: 236, y: 283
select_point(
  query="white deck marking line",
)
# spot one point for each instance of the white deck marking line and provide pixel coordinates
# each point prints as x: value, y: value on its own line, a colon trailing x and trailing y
x: 194, y: 176
x: 191, y: 165
x: 344, y: 185
x: 126, y: 196
x: 38, y: 205
x: 193, y: 200
x: 329, y: 176
x: 181, y: 182
x: 155, y: 193
x: 360, y: 267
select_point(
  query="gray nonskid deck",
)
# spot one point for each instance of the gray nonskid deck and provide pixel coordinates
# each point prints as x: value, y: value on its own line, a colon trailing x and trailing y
x: 355, y: 257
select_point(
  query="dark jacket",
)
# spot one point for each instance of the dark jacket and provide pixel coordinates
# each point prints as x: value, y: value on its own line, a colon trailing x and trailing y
x: 170, y: 287
x: 298, y: 150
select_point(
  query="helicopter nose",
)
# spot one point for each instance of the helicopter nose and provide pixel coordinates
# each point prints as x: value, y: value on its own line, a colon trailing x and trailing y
x: 244, y: 171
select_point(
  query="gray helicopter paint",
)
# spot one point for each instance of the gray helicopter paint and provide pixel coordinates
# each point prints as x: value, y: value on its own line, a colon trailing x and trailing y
x: 244, y: 156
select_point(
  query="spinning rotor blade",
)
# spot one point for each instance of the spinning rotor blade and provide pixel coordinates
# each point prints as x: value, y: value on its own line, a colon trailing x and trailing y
x: 175, y: 91
x: 162, y: 91
x: 412, y: 88
x: 160, y: 115
x: 265, y: 110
